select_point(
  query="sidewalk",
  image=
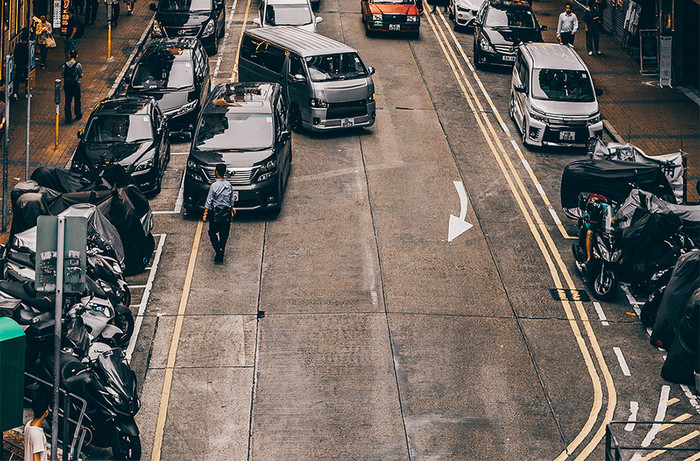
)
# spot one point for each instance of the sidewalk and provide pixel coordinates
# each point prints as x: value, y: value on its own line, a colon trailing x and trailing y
x: 657, y: 120
x: 100, y: 74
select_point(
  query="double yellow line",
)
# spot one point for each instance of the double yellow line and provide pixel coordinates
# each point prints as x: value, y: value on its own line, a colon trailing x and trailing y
x: 556, y: 265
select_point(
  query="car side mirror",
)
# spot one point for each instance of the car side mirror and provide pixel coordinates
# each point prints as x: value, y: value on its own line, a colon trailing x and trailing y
x: 519, y: 89
x: 79, y: 134
x: 152, y: 7
x: 285, y: 135
x: 370, y: 69
x: 543, y: 27
x: 299, y: 78
x: 319, y: 19
x: 598, y: 92
x: 256, y: 21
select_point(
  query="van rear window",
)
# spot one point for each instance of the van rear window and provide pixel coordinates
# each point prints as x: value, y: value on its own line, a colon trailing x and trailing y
x: 340, y: 66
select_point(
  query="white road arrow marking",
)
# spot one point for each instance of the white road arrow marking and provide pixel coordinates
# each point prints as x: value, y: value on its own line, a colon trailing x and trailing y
x: 459, y: 225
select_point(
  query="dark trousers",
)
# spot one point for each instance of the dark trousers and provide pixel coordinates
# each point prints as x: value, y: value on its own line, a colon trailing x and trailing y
x: 592, y: 39
x: 72, y: 94
x: 91, y: 11
x: 218, y: 234
x: 567, y: 38
x: 43, y: 49
x: 115, y: 14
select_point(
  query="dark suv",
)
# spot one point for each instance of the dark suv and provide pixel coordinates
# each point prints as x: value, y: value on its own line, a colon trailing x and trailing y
x: 499, y: 27
x: 245, y: 126
x: 132, y: 132
x: 202, y: 19
x: 175, y: 72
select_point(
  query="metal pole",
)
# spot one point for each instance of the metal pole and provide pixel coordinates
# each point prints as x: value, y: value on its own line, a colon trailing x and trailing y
x: 57, y: 100
x: 57, y: 332
x: 29, y: 107
x: 6, y: 146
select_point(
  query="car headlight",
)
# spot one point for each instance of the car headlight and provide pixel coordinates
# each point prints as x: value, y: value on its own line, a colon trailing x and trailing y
x: 194, y: 171
x: 209, y: 28
x: 157, y: 29
x: 147, y: 165
x: 595, y: 119
x: 462, y: 9
x: 538, y: 116
x: 485, y: 45
x: 189, y: 107
x: 267, y: 170
x: 372, y: 97
x: 317, y: 103
x: 411, y: 18
x: 377, y: 17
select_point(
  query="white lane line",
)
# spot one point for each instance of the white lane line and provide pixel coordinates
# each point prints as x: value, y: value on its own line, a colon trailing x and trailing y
x: 526, y: 165
x: 623, y: 363
x: 137, y: 286
x: 539, y: 189
x: 601, y: 314
x: 144, y: 298
x: 180, y: 153
x: 634, y: 409
x: 515, y: 144
x: 224, y: 42
x: 692, y: 398
x: 554, y: 216
x: 178, y: 201
x: 660, y: 416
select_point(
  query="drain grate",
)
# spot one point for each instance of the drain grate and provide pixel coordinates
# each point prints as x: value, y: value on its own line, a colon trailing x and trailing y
x: 560, y: 294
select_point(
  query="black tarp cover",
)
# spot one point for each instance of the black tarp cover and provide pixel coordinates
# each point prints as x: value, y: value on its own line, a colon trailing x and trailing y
x: 684, y: 281
x: 640, y: 203
x: 613, y: 179
x: 683, y: 355
x: 62, y: 180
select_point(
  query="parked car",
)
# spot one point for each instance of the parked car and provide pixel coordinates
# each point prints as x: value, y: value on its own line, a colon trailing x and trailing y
x: 287, y: 13
x: 327, y: 84
x: 130, y: 131
x: 175, y: 72
x: 245, y: 126
x: 391, y: 16
x: 463, y: 12
x: 499, y: 27
x: 202, y: 19
x: 552, y: 98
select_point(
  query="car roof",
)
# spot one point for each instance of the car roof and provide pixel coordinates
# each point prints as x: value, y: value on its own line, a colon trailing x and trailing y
x: 179, y: 47
x: 300, y: 41
x: 287, y: 2
x: 125, y: 105
x: 246, y: 98
x: 553, y: 56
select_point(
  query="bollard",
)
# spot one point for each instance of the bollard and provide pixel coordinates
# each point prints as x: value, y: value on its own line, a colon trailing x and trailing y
x: 57, y: 100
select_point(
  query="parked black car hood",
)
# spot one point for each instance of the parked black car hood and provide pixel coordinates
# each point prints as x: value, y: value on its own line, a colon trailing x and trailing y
x: 244, y: 159
x: 167, y: 100
x: 126, y: 154
x: 184, y: 19
x: 505, y: 36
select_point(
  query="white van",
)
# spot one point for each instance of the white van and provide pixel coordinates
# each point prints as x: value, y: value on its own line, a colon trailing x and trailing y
x: 287, y: 13
x: 326, y: 83
x: 552, y: 98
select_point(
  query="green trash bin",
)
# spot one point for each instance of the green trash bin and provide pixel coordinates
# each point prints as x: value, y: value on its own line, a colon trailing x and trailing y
x: 12, y: 345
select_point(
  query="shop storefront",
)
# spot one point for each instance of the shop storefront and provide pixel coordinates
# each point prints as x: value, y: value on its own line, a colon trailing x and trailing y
x: 15, y: 16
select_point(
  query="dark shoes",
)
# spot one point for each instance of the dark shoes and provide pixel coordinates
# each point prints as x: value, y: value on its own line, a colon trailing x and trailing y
x: 219, y: 258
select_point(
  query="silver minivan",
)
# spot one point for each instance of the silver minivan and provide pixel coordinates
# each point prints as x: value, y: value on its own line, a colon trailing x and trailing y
x: 287, y: 13
x: 326, y: 83
x: 552, y: 98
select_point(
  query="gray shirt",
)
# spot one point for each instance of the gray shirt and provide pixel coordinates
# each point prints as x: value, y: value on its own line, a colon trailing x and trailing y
x: 567, y: 23
x: 220, y: 194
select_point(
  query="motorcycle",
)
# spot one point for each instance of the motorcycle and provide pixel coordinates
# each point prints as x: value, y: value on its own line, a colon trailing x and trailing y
x: 108, y: 385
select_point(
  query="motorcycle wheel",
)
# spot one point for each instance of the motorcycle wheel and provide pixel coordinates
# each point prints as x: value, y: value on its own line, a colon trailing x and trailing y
x: 127, y: 447
x: 126, y: 297
x: 604, y: 284
x: 125, y: 322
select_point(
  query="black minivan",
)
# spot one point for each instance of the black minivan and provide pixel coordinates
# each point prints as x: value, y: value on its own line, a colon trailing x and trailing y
x: 202, y: 19
x: 245, y: 126
x: 175, y: 72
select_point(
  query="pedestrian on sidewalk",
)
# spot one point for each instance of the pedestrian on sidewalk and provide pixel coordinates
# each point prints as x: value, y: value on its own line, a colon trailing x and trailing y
x: 72, y: 72
x: 34, y: 437
x: 43, y: 32
x: 115, y: 11
x: 220, y: 202
x: 593, y: 17
x: 91, y: 11
x: 78, y: 6
x: 71, y: 33
x: 567, y: 26
x: 21, y: 56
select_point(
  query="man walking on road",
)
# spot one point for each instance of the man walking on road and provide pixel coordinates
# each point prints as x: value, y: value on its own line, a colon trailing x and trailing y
x: 567, y: 27
x: 72, y: 72
x: 220, y: 202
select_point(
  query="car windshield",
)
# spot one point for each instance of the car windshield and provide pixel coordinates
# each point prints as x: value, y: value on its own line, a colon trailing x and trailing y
x: 288, y: 15
x: 163, y: 75
x: 342, y: 66
x: 405, y: 2
x: 562, y: 85
x: 118, y: 128
x: 234, y: 132
x: 510, y: 18
x: 184, y: 5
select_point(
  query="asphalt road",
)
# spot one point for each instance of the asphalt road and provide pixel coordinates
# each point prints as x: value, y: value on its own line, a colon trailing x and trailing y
x: 349, y: 327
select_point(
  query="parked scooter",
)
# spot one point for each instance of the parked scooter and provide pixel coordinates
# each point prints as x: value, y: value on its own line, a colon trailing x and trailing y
x: 605, y: 250
x: 108, y: 385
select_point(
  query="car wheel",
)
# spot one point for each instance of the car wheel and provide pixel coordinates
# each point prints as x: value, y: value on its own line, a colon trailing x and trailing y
x: 477, y: 57
x: 295, y: 120
x: 159, y: 185
x: 511, y: 108
x: 215, y: 47
x: 524, y: 131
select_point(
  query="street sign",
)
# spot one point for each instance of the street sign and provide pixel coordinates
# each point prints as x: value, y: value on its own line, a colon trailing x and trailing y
x: 32, y: 53
x: 665, y: 58
x: 75, y: 246
x: 9, y: 74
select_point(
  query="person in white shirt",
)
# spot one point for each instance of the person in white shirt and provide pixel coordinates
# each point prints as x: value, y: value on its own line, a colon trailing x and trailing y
x: 34, y: 437
x: 567, y: 27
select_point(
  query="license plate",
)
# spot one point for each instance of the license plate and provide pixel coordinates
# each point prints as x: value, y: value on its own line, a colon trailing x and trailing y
x: 509, y: 58
x: 347, y: 122
x: 567, y: 135
x: 235, y: 195
x: 394, y: 27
